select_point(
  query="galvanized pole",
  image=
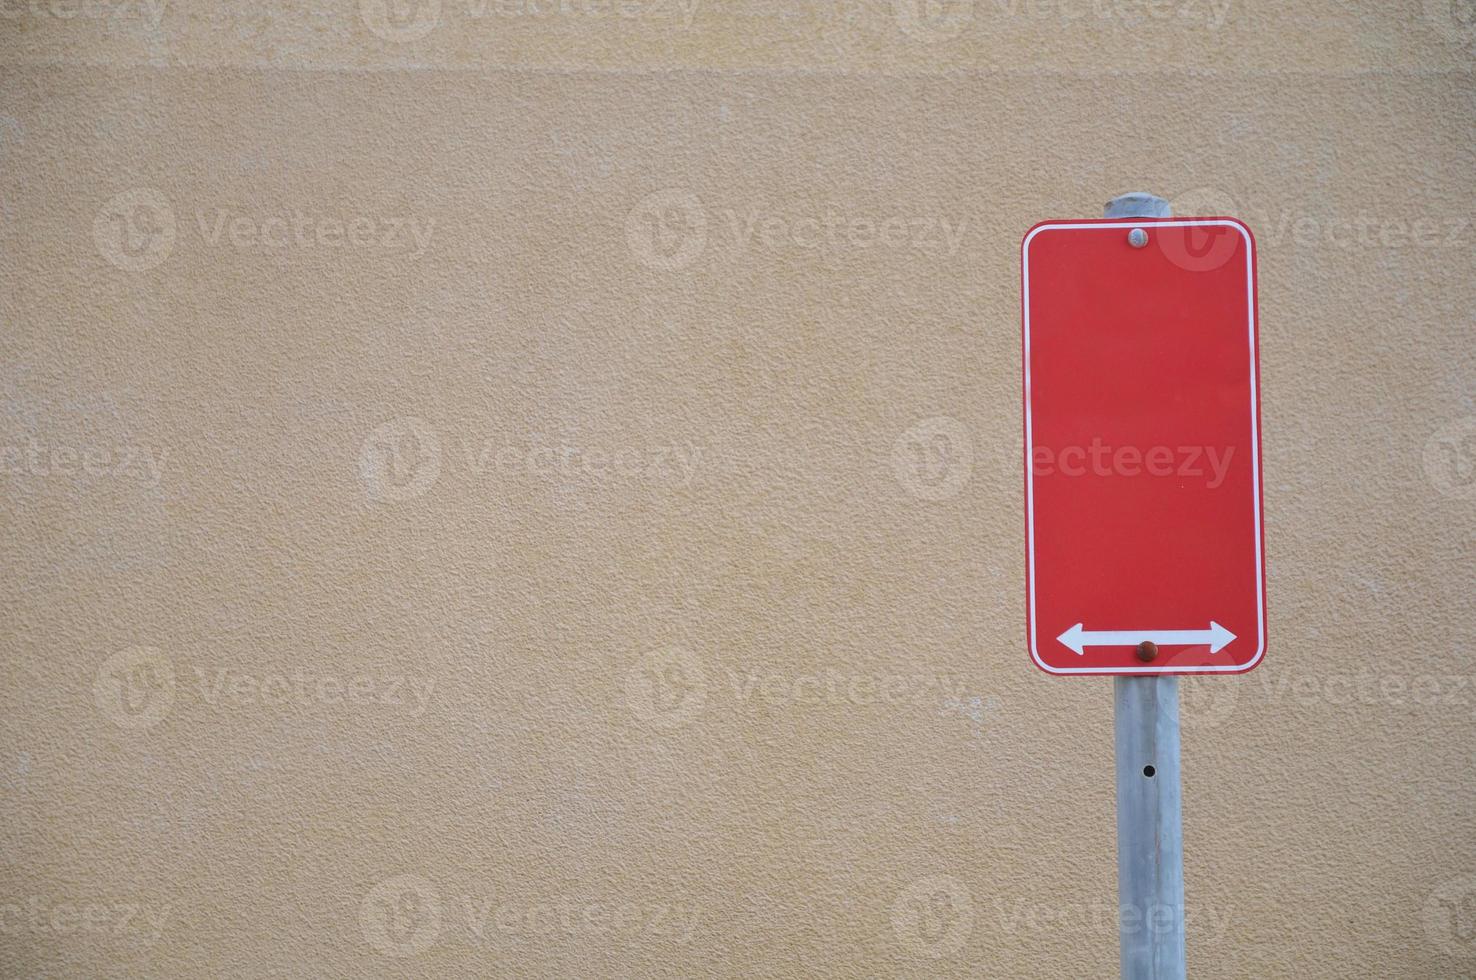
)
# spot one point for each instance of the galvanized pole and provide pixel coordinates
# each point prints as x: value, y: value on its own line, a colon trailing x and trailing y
x: 1150, y: 833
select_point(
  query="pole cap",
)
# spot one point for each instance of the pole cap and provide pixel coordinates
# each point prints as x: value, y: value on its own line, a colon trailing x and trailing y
x: 1137, y: 205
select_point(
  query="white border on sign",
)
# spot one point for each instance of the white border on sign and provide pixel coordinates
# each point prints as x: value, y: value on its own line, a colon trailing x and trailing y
x: 1250, y: 285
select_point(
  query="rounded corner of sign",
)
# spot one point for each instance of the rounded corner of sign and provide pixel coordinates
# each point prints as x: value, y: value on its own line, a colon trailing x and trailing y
x: 1244, y: 668
x: 1034, y: 230
x: 1243, y: 228
x: 1039, y: 661
x: 1229, y: 221
x: 1253, y: 662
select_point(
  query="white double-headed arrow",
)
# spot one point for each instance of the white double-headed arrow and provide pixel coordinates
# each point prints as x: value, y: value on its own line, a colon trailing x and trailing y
x: 1079, y: 639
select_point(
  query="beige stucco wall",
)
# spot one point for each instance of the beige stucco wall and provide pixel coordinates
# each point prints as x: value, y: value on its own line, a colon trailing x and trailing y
x: 472, y: 524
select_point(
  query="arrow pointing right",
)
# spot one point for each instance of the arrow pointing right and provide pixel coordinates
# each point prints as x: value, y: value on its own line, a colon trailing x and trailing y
x: 1078, y: 639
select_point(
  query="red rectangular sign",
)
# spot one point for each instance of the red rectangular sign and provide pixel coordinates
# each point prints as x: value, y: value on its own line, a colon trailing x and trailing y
x: 1142, y: 447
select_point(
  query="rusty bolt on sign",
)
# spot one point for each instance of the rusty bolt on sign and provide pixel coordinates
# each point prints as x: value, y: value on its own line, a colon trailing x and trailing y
x: 1147, y: 650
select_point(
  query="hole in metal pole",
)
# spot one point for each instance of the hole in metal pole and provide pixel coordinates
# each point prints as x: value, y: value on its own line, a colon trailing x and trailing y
x: 1149, y: 771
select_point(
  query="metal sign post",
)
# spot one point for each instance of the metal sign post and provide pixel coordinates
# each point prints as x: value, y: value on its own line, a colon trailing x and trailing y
x: 1150, y: 834
x: 1150, y: 830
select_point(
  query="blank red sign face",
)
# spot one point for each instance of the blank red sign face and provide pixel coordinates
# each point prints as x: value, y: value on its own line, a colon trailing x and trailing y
x: 1142, y: 447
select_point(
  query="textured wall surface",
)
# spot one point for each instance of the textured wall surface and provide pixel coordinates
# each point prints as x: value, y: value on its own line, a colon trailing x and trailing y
x: 463, y: 510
